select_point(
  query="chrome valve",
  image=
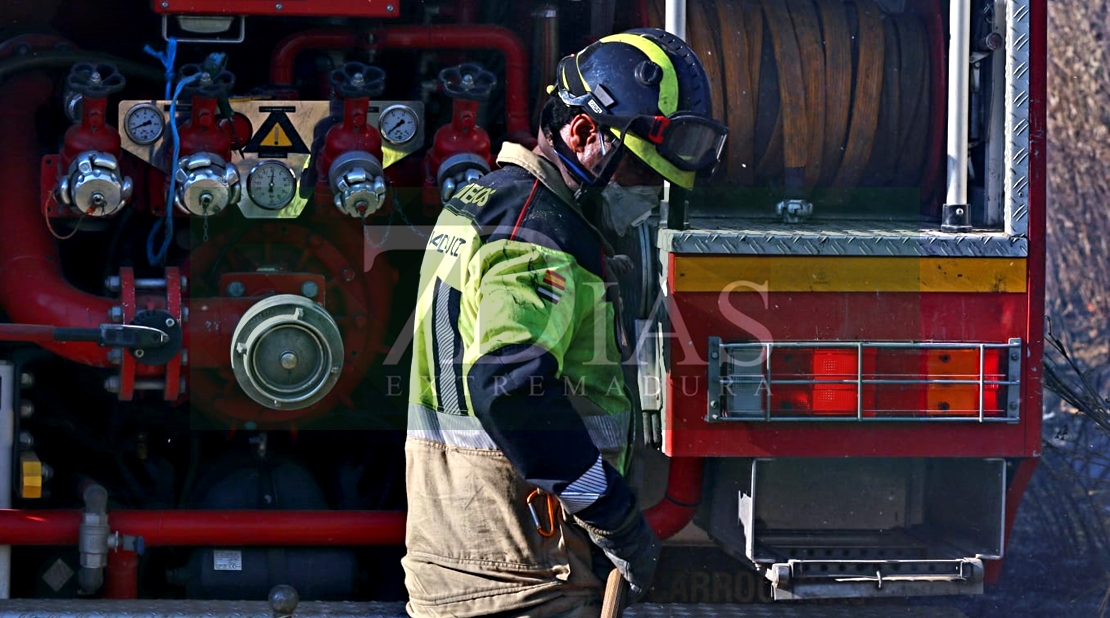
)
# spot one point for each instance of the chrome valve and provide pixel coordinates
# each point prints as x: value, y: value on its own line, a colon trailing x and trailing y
x: 458, y: 171
x: 357, y: 181
x: 93, y: 185
x: 206, y: 184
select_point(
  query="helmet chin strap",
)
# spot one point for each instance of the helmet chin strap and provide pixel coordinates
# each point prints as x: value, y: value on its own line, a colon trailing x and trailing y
x: 590, y: 182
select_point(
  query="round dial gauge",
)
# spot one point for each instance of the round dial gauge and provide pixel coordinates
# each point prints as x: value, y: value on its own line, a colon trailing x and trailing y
x: 272, y: 185
x: 144, y: 123
x: 398, y: 123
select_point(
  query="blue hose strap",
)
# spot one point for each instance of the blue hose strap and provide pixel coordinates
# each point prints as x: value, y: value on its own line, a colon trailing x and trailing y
x: 168, y: 237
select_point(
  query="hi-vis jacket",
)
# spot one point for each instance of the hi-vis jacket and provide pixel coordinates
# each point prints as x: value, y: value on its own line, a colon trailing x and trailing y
x: 516, y: 385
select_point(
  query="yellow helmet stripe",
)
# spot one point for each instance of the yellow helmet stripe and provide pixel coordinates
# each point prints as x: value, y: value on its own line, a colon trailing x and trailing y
x: 668, y: 87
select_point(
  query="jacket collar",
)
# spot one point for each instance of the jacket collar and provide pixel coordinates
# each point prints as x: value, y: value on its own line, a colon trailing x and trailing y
x: 549, y: 175
x: 544, y: 170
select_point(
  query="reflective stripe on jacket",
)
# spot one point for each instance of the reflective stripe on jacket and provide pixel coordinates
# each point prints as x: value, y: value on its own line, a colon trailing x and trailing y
x: 516, y: 384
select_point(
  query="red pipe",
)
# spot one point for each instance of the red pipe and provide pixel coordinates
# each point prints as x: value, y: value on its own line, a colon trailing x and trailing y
x: 476, y: 37
x: 32, y: 288
x: 285, y: 528
x: 286, y: 52
x: 425, y: 38
x: 681, y: 500
x: 213, y: 528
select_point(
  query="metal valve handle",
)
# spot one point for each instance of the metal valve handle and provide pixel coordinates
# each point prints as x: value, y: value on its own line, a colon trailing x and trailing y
x: 467, y: 81
x: 216, y: 86
x: 95, y: 80
x: 355, y: 80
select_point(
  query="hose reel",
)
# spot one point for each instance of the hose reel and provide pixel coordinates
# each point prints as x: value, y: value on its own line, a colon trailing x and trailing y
x: 832, y: 93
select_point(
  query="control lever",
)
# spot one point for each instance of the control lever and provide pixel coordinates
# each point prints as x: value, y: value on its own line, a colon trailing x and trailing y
x: 113, y: 335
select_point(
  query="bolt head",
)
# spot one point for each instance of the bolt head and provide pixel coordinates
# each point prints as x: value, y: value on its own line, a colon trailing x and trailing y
x: 288, y: 360
x: 26, y: 409
x: 26, y: 380
x: 170, y: 322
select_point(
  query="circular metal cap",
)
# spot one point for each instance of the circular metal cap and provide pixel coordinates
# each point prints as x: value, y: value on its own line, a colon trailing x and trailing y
x: 356, y: 179
x: 283, y: 600
x: 287, y: 352
x: 207, y: 184
x: 94, y: 185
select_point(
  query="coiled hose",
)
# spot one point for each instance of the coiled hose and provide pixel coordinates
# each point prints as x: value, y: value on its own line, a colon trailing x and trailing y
x: 816, y: 93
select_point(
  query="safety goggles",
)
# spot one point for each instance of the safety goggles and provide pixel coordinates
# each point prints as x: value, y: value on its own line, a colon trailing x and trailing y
x: 676, y: 145
x: 689, y: 141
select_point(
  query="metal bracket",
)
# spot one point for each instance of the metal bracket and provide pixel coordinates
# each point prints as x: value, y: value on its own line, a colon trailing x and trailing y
x: 713, y: 388
x: 1013, y: 374
x: 794, y: 211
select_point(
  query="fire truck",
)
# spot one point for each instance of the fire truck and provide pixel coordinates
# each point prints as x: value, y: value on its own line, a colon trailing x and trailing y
x: 215, y: 212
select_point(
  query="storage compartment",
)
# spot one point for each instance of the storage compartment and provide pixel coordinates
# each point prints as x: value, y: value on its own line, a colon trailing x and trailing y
x: 859, y: 527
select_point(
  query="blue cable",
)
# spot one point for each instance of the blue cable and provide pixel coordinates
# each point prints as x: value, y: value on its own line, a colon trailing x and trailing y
x: 167, y: 59
x: 168, y: 238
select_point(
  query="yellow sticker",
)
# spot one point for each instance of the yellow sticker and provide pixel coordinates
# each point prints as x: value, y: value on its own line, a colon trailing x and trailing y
x: 277, y: 138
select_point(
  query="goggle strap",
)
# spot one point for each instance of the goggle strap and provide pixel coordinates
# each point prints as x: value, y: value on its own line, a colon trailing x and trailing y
x: 658, y: 129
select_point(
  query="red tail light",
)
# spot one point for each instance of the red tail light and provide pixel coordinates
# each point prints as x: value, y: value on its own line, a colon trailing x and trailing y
x: 936, y: 381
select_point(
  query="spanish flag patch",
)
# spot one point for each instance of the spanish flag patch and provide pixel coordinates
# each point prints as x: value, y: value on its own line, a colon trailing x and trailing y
x: 552, y: 286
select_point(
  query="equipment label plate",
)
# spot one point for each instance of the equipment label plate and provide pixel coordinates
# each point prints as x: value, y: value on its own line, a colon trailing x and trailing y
x: 227, y: 560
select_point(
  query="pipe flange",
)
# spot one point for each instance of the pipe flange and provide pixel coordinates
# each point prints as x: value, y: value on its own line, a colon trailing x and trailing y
x: 287, y: 352
x: 459, y: 170
x: 357, y: 181
x: 94, y: 186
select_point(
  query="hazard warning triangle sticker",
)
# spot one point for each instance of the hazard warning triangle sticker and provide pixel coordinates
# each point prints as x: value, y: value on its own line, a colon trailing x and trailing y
x: 277, y: 137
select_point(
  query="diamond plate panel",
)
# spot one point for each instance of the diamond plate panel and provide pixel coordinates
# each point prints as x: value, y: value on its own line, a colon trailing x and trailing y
x: 1016, y: 175
x: 719, y: 236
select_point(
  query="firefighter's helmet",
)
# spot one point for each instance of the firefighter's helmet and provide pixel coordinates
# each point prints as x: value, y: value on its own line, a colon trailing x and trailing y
x: 650, y: 91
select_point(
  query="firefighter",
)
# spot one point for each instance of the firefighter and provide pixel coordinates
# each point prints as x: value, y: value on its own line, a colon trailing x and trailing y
x: 519, y: 415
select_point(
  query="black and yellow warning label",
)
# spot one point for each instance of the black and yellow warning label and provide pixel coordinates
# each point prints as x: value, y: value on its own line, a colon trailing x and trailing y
x: 276, y: 138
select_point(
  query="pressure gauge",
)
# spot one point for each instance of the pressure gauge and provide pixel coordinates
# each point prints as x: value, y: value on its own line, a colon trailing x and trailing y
x: 272, y: 185
x: 398, y: 123
x: 144, y: 123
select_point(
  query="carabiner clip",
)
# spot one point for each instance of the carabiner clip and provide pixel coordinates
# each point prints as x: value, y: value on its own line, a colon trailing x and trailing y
x: 549, y: 532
